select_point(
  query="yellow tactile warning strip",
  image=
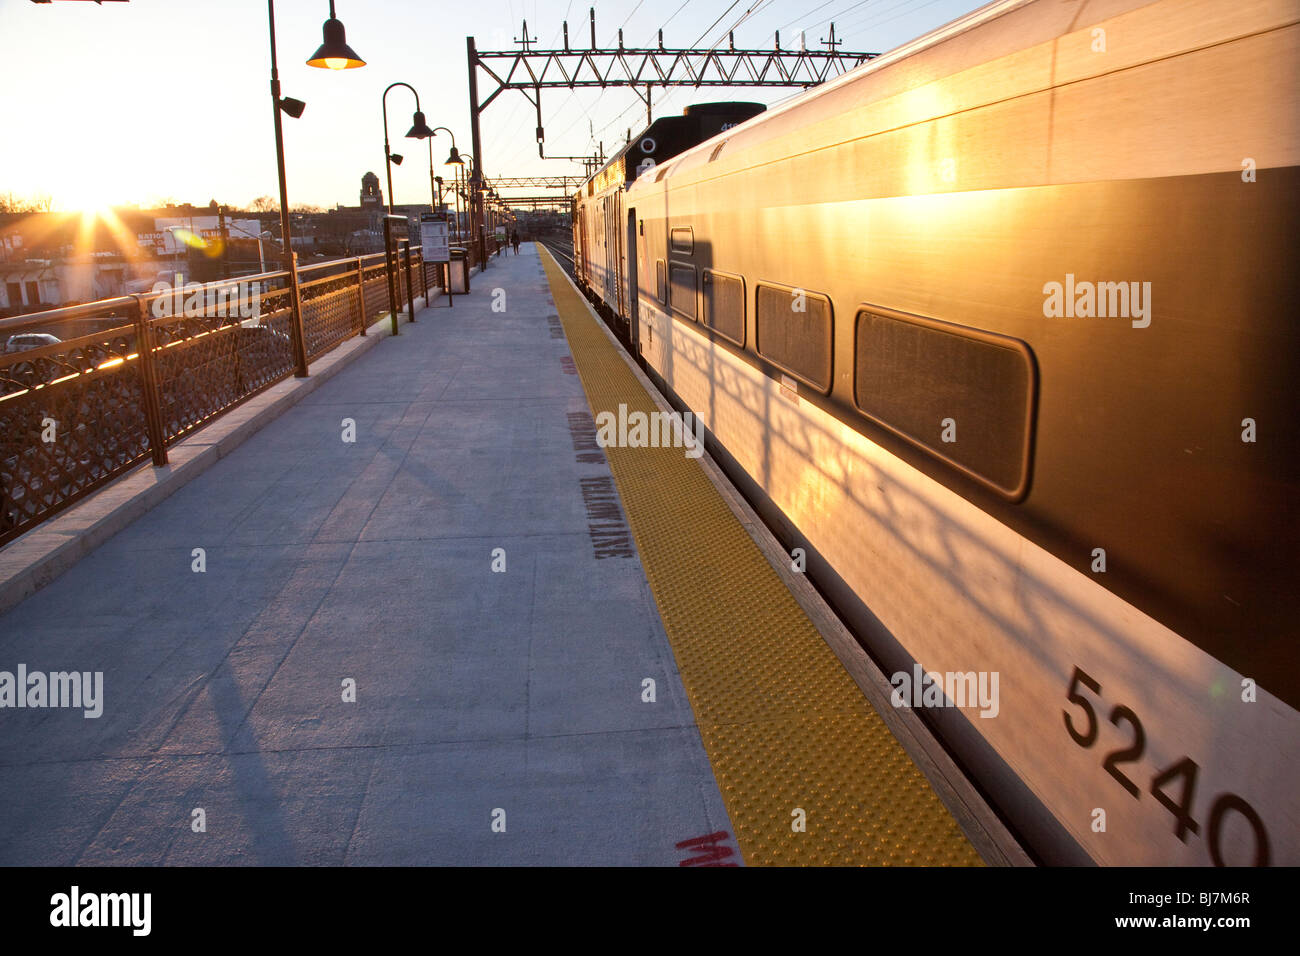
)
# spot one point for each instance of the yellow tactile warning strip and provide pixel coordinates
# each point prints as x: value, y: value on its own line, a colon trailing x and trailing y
x: 785, y: 727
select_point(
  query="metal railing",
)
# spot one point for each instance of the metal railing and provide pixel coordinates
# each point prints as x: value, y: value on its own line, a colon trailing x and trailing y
x: 136, y: 374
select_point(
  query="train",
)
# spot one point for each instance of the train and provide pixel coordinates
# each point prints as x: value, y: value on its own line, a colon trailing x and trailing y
x: 1000, y: 329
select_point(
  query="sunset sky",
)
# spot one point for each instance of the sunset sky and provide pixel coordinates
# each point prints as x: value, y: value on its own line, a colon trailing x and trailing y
x: 168, y: 99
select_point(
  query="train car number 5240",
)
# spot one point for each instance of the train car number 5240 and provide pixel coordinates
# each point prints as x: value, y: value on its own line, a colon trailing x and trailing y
x: 1179, y: 777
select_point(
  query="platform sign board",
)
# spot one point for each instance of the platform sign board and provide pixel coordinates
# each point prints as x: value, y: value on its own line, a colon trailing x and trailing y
x: 433, y: 237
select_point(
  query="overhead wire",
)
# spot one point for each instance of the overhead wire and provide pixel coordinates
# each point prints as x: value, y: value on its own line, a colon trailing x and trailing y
x: 752, y: 10
x: 507, y: 128
x: 572, y: 93
x: 627, y: 18
x: 874, y: 20
x: 835, y: 16
x: 714, y: 23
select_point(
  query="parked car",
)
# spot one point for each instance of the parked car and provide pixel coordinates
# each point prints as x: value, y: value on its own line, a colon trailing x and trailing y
x: 30, y: 340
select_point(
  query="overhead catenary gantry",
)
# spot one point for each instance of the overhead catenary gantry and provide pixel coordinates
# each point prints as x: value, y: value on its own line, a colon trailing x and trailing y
x: 560, y: 203
x: 541, y: 182
x: 640, y: 68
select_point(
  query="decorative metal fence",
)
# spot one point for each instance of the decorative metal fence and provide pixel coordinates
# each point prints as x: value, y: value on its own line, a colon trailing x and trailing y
x: 132, y: 375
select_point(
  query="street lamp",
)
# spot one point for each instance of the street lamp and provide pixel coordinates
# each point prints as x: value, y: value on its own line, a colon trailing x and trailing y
x: 494, y: 211
x: 334, y: 53
x: 458, y: 160
x: 340, y: 56
x: 264, y: 234
x: 463, y: 183
x: 475, y: 196
x: 450, y: 159
x: 419, y: 130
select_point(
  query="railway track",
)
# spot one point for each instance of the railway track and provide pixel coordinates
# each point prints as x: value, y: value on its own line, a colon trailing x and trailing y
x: 562, y: 250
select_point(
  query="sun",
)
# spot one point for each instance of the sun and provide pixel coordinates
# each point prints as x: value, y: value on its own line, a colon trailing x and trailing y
x: 93, y: 220
x: 93, y: 208
x: 85, y: 198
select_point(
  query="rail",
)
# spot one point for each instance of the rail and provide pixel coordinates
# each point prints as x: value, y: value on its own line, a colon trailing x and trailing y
x: 118, y: 381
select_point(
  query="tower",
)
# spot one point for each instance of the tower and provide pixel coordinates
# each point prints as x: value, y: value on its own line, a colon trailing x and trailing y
x: 370, y: 192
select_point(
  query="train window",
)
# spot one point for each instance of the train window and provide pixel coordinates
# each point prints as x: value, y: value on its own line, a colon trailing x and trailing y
x: 682, y: 240
x: 661, y: 281
x: 794, y: 332
x: 963, y: 395
x: 724, y: 305
x: 682, y: 289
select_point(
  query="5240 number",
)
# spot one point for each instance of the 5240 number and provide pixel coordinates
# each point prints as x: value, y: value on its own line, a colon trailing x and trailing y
x: 1183, y: 771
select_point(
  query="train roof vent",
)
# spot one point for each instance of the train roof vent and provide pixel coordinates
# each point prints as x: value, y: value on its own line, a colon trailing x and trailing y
x: 662, y: 173
x: 716, y: 150
x: 737, y: 108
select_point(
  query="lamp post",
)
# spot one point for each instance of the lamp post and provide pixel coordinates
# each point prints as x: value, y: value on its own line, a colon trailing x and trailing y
x: 476, y: 210
x: 433, y: 180
x: 453, y: 159
x: 335, y: 54
x: 419, y: 130
x: 467, y: 176
x: 466, y: 171
x: 339, y: 56
x: 492, y: 214
x: 294, y: 108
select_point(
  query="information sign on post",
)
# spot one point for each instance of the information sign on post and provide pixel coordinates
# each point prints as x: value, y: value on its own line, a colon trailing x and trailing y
x: 433, y: 242
x: 433, y: 238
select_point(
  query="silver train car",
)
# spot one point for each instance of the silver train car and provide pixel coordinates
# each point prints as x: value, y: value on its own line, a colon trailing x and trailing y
x: 1001, y: 329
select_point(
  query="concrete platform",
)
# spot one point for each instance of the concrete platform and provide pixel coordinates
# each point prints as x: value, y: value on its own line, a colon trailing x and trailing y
x: 477, y: 691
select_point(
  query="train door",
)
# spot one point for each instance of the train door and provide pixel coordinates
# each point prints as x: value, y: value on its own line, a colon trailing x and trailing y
x: 611, y: 253
x: 620, y: 255
x: 633, y: 284
x: 604, y: 248
x: 582, y: 255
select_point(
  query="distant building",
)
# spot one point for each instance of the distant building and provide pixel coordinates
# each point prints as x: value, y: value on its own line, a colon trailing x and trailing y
x: 371, y: 194
x: 35, y: 284
x: 54, y: 259
x: 358, y: 230
x: 166, y: 243
x: 26, y: 286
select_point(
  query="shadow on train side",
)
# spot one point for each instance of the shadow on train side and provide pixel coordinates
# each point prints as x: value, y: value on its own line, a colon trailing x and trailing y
x: 967, y: 577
